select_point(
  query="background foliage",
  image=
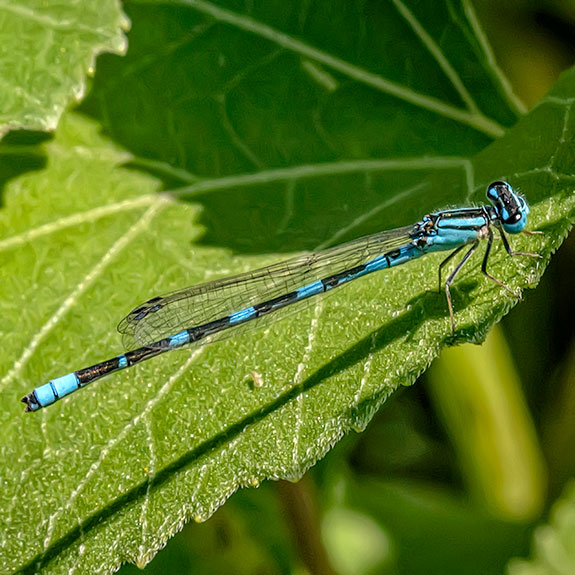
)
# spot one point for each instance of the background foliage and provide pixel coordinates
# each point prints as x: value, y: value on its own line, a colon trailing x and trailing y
x: 273, y: 129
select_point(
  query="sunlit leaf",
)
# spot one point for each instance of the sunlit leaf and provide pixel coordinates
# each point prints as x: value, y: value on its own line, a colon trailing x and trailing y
x: 284, y: 128
x: 47, y: 50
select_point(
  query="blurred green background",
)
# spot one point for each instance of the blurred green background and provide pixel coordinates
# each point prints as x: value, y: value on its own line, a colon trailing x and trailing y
x: 455, y: 473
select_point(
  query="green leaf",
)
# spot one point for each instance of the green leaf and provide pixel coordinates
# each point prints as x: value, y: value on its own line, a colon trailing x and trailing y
x: 292, y: 128
x: 244, y: 537
x: 47, y: 50
x: 432, y: 531
x: 553, y: 550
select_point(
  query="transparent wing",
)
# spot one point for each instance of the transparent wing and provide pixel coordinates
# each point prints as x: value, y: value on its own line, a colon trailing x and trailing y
x: 166, y: 315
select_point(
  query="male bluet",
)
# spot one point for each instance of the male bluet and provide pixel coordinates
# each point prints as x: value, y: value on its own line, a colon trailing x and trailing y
x: 211, y: 311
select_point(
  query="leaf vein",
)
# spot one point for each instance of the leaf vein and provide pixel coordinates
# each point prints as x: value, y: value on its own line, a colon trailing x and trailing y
x: 421, y: 163
x: 107, y: 448
x: 475, y: 120
x: 84, y: 284
x: 76, y: 220
x: 438, y: 55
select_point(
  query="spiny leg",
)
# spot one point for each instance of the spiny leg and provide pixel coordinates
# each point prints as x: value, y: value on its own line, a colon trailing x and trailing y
x: 446, y: 261
x: 511, y: 252
x: 486, y: 257
x: 450, y: 279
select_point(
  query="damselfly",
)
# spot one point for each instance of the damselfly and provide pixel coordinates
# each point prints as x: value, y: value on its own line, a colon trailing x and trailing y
x: 211, y: 311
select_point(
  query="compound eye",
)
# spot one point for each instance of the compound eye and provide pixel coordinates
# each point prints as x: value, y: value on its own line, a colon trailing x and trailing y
x: 513, y: 219
x: 497, y: 189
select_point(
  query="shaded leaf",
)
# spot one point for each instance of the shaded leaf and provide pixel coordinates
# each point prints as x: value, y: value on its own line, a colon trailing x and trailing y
x: 109, y: 474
